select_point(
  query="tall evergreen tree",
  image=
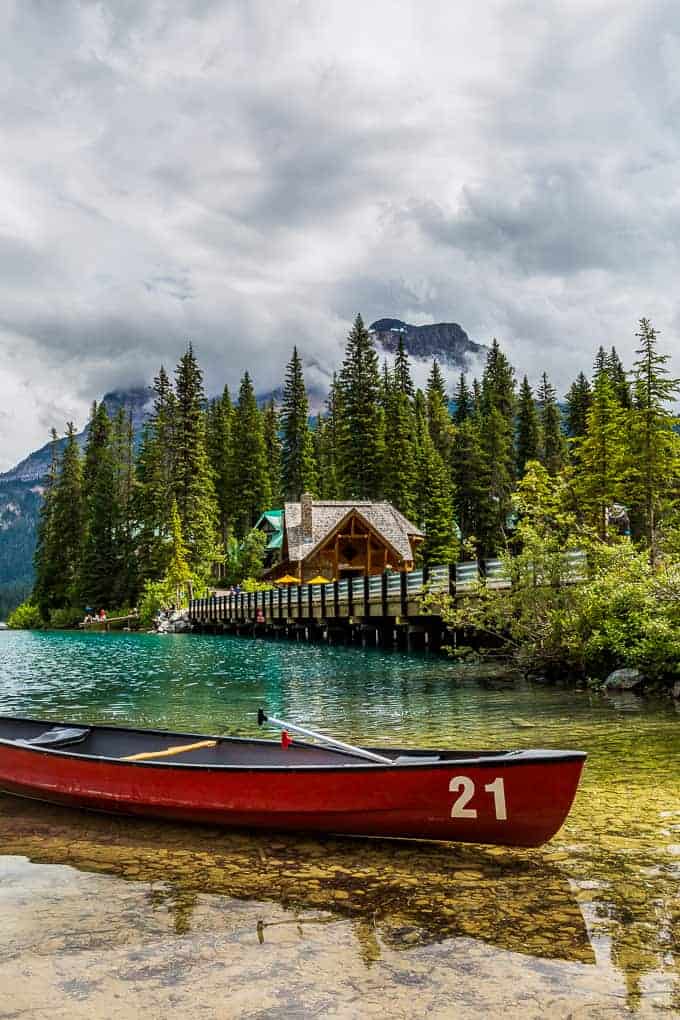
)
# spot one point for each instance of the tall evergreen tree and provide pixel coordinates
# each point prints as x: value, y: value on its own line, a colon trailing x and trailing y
x: 272, y: 442
x: 127, y: 581
x: 194, y: 482
x: 528, y: 443
x: 251, y: 487
x: 60, y: 549
x: 498, y: 384
x: 471, y: 481
x: 298, y: 466
x: 361, y: 429
x: 578, y: 402
x: 437, y: 509
x: 403, y: 383
x: 654, y: 471
x: 100, y: 568
x: 617, y: 374
x: 400, y: 477
x: 463, y: 400
x: 553, y: 449
x: 45, y: 577
x: 602, y: 456
x: 438, y: 417
x: 328, y: 431
x: 498, y: 453
x: 155, y: 479
x: 219, y: 420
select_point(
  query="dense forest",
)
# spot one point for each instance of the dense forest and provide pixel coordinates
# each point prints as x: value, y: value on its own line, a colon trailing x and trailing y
x: 487, y: 469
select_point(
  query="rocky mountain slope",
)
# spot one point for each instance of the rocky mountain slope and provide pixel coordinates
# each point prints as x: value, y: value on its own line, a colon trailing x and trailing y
x: 446, y: 341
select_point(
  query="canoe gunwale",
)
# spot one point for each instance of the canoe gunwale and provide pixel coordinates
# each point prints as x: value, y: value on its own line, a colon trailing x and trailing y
x: 484, y: 759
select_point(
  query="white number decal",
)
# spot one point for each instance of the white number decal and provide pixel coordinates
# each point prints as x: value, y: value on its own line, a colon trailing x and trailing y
x: 498, y: 790
x: 467, y: 788
x: 459, y: 810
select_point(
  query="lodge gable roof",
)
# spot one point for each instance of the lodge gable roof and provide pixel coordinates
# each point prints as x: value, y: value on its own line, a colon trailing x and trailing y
x: 383, y: 518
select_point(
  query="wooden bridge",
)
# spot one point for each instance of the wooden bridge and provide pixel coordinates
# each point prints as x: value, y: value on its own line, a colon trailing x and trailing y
x: 108, y: 621
x: 385, y: 609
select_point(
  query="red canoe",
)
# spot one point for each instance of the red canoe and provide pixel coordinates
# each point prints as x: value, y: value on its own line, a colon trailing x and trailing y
x: 515, y: 798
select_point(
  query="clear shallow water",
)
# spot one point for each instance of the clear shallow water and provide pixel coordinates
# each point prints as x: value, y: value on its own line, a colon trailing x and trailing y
x: 103, y: 912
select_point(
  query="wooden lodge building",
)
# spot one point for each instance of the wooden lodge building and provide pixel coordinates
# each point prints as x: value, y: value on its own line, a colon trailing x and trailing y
x: 342, y: 539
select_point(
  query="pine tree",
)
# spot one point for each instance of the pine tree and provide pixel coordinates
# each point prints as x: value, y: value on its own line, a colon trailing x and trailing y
x: 155, y: 478
x: 251, y: 488
x: 101, y: 554
x: 126, y: 583
x: 436, y: 516
x: 471, y: 481
x: 498, y: 383
x: 59, y: 550
x: 219, y: 419
x: 194, y: 482
x: 400, y: 477
x: 553, y: 450
x: 655, y: 445
x: 272, y: 442
x: 578, y: 402
x: 438, y: 418
x: 602, y: 455
x: 401, y: 375
x: 178, y: 572
x: 463, y: 400
x: 499, y: 470
x: 619, y: 379
x: 327, y: 444
x: 298, y: 467
x: 361, y: 427
x: 43, y: 589
x: 528, y: 443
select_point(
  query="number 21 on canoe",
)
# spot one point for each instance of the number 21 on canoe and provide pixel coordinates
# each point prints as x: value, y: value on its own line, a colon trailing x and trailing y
x: 460, y: 809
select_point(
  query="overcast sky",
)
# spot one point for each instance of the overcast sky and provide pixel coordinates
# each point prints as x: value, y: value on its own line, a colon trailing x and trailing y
x: 249, y: 175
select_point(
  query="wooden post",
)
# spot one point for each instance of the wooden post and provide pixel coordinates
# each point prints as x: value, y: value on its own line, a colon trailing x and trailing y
x: 336, y: 600
x: 367, y: 595
x: 384, y: 593
x: 350, y: 596
x: 404, y: 594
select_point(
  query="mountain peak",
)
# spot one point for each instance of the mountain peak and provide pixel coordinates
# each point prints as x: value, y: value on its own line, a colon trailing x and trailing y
x: 446, y: 341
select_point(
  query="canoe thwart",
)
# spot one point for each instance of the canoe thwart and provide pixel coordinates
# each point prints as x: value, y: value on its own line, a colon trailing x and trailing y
x: 169, y: 751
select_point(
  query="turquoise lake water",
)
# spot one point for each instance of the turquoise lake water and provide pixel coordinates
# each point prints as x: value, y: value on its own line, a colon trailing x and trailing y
x: 587, y: 926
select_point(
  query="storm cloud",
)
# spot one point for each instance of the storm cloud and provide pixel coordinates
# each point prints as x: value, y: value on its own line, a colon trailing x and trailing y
x: 250, y: 175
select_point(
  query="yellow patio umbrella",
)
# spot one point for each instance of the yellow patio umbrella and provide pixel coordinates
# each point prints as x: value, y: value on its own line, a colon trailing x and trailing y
x: 287, y: 579
x: 319, y: 579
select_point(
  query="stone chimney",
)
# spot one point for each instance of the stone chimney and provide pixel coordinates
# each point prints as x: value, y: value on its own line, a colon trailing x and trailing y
x: 306, y: 516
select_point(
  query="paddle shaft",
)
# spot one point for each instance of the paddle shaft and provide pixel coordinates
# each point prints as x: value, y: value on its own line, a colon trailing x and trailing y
x: 358, y: 752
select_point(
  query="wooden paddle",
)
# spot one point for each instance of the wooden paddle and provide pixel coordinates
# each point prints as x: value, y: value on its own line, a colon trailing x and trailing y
x: 169, y: 751
x: 357, y: 752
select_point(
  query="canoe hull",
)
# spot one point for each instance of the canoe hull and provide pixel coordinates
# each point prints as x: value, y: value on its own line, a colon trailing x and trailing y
x: 520, y: 803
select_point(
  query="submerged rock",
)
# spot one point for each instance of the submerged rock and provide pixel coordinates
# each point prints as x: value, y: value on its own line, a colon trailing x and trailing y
x: 624, y: 680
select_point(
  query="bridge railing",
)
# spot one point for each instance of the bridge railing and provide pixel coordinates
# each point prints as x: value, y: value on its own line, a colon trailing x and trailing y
x: 357, y: 595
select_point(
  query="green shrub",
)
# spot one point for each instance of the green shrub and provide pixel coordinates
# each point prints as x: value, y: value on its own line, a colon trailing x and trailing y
x: 66, y: 618
x: 25, y: 617
x: 250, y: 584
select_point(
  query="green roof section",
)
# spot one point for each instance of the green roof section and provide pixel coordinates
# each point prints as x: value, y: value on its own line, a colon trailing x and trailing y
x: 271, y: 522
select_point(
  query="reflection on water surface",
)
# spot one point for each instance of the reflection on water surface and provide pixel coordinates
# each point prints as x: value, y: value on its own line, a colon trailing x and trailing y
x: 109, y: 917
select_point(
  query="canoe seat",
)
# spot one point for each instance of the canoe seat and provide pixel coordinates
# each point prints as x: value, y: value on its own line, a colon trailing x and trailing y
x: 416, y: 759
x: 58, y: 736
